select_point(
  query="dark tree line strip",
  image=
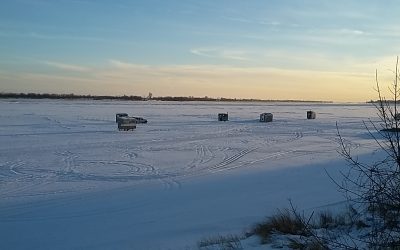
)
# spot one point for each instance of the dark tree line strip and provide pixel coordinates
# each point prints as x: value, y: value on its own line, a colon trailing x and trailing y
x: 138, y: 98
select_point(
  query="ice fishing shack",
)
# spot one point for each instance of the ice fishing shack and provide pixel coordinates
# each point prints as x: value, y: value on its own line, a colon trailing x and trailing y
x: 266, y: 117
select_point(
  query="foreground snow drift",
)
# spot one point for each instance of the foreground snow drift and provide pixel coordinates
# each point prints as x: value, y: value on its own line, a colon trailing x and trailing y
x: 70, y: 179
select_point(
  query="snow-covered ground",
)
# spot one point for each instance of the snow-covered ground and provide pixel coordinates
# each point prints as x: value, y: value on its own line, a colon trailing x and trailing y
x: 70, y: 180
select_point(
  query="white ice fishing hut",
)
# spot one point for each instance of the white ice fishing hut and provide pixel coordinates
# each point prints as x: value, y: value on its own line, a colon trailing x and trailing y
x: 311, y: 114
x: 266, y: 117
x: 126, y: 123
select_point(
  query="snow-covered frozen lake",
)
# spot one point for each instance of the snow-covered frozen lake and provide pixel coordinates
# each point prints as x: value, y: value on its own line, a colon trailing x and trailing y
x: 69, y: 179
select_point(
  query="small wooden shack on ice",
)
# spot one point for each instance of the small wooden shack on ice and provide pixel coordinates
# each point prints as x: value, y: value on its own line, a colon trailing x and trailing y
x: 266, y: 117
x: 311, y: 114
x: 119, y: 115
x: 126, y: 123
x: 223, y: 117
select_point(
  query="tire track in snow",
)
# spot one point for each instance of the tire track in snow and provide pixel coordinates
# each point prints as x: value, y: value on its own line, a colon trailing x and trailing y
x: 296, y: 136
x: 26, y: 181
x: 131, y: 155
x: 209, y: 153
x: 224, y: 164
x: 170, y: 183
x: 203, y: 156
x: 228, y: 161
x: 134, y: 170
x: 143, y: 171
x: 276, y: 155
x: 69, y: 159
x: 11, y: 169
x: 197, y: 159
x: 14, y: 167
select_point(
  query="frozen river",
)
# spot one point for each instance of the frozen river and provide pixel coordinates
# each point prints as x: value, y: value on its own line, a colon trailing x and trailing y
x: 70, y: 179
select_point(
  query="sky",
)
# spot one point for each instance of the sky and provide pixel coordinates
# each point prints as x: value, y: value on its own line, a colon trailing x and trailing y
x: 265, y: 49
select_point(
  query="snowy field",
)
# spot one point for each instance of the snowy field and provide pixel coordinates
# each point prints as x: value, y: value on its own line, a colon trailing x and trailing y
x: 70, y: 180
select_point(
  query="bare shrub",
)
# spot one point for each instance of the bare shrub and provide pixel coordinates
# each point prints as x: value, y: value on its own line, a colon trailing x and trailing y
x: 326, y: 220
x: 306, y: 245
x: 283, y: 222
x: 375, y: 186
x: 228, y: 242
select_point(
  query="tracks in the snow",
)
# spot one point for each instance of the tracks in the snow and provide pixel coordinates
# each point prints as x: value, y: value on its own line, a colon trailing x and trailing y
x: 11, y: 169
x: 225, y: 164
x: 138, y: 162
x: 134, y: 168
x: 203, y: 156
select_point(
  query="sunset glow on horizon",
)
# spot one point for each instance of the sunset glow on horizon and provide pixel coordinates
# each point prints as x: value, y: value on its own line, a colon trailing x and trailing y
x: 299, y: 50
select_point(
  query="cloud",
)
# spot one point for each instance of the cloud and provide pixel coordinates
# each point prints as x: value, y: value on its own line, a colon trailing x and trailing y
x: 352, y: 32
x: 220, y: 81
x: 239, y: 55
x: 201, y: 52
x: 122, y: 77
x: 122, y: 68
x: 125, y: 65
x: 68, y: 67
x: 253, y: 21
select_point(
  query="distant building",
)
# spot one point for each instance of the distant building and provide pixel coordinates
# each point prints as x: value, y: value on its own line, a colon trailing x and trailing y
x: 223, y: 117
x: 266, y: 117
x: 311, y: 115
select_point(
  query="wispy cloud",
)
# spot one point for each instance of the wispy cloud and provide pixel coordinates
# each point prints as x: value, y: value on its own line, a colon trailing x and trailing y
x: 352, y: 32
x: 253, y: 21
x: 55, y: 78
x: 68, y: 67
x: 121, y: 77
x: 240, y: 55
x: 208, y: 70
x: 125, y: 65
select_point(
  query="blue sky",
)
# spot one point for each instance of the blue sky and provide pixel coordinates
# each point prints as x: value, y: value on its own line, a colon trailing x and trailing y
x: 325, y: 50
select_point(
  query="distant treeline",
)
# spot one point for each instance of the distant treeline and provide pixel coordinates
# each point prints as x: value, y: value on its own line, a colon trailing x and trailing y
x: 70, y: 96
x: 384, y: 101
x: 137, y: 98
